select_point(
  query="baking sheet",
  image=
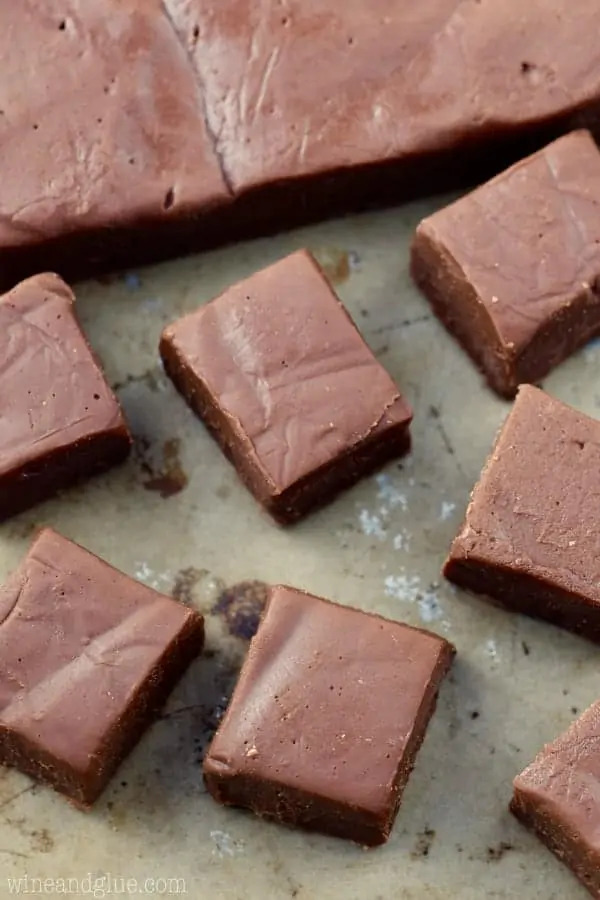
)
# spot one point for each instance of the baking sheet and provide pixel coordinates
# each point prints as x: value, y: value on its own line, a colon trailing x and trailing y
x: 176, y: 518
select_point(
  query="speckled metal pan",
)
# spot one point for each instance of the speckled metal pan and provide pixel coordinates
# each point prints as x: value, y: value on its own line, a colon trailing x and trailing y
x: 176, y: 517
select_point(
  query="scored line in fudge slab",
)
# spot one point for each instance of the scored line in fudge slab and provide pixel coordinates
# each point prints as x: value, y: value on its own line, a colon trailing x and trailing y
x: 256, y: 118
x: 530, y: 540
x: 513, y: 268
x: 285, y: 382
x: 87, y: 657
x: 327, y: 717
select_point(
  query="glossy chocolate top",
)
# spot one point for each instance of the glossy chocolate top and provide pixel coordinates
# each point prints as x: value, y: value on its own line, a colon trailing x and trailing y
x: 528, y: 241
x: 563, y: 784
x: 534, y: 509
x: 77, y: 640
x: 101, y: 119
x: 328, y: 701
x: 288, y: 369
x: 52, y: 390
x: 130, y: 113
x: 304, y: 87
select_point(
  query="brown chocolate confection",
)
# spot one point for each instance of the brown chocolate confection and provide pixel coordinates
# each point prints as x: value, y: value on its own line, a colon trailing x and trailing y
x: 178, y: 125
x: 325, y: 722
x: 513, y: 269
x: 530, y: 540
x: 60, y: 420
x: 557, y: 797
x: 105, y: 151
x: 288, y: 387
x: 354, y: 102
x: 87, y: 657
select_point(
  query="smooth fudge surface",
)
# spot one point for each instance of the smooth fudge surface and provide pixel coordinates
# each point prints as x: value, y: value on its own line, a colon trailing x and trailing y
x: 60, y: 421
x: 105, y: 146
x: 330, y: 709
x: 300, y: 90
x: 87, y: 657
x: 530, y: 539
x: 282, y: 377
x: 513, y: 268
x: 185, y: 123
x: 557, y: 797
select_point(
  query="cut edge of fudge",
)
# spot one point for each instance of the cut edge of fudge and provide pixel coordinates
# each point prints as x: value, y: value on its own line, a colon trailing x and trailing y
x: 558, y: 836
x: 512, y: 588
x: 456, y: 303
x: 388, y: 438
x: 294, y: 807
x: 33, y: 480
x: 83, y: 786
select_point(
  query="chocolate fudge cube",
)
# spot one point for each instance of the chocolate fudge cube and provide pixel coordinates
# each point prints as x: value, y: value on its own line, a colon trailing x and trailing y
x: 558, y: 798
x: 60, y: 420
x: 87, y: 657
x: 513, y: 268
x: 324, y: 725
x: 530, y: 539
x: 288, y: 387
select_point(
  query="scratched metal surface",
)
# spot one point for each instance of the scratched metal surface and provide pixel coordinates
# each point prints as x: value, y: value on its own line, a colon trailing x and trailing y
x: 515, y: 685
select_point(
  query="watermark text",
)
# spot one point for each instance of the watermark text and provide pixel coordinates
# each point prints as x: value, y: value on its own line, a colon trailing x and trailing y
x: 97, y: 886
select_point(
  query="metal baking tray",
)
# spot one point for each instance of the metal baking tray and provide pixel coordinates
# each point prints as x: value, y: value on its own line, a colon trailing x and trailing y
x: 177, y: 518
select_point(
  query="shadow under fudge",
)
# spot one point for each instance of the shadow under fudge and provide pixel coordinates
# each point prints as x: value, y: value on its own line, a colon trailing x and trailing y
x: 372, y: 134
x: 281, y: 376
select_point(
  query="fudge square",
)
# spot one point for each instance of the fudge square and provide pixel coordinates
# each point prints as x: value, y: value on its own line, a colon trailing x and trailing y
x: 530, y: 540
x: 330, y: 709
x: 513, y: 269
x: 87, y: 657
x: 60, y: 421
x: 558, y: 798
x: 284, y: 381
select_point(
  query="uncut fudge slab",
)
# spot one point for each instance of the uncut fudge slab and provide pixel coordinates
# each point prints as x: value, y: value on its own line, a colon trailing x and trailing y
x: 325, y: 722
x: 320, y: 107
x: 530, y: 540
x: 283, y: 379
x: 557, y: 797
x: 105, y: 153
x: 164, y: 128
x: 59, y: 420
x: 87, y: 657
x: 513, y: 269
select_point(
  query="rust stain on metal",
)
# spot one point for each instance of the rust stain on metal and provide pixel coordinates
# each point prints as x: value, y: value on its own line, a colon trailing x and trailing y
x: 165, y: 476
x: 241, y: 607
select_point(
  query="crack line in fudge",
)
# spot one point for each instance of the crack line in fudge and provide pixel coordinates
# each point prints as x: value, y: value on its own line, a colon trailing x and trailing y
x: 202, y: 94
